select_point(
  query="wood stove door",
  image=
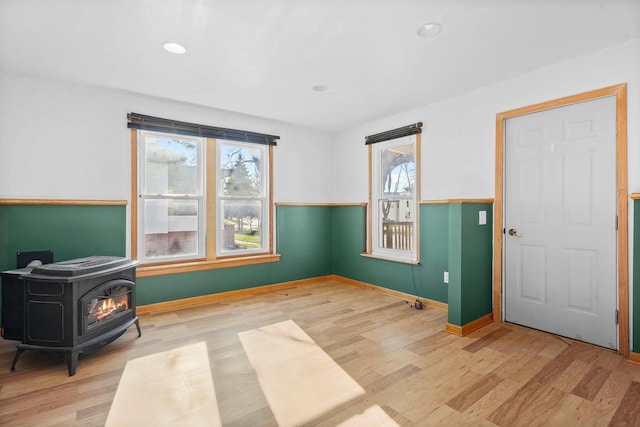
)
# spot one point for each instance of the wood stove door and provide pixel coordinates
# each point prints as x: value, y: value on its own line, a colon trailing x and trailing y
x: 107, y: 305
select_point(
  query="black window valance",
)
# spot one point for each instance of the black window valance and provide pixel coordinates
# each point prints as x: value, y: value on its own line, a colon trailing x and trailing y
x: 140, y: 121
x: 394, y: 133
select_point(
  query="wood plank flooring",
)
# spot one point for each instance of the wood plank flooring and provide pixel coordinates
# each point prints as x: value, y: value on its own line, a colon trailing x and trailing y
x: 409, y: 368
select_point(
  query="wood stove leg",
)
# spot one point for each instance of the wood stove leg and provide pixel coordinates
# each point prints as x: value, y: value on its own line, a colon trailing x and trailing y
x: 72, y: 361
x: 138, y: 327
x: 19, y: 351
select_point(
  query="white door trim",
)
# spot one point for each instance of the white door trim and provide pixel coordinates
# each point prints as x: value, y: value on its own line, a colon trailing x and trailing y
x: 620, y: 92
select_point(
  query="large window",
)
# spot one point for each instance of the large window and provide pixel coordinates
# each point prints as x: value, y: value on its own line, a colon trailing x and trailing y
x: 199, y: 200
x: 393, y: 219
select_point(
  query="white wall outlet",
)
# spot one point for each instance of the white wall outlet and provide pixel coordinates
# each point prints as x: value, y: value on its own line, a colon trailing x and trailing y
x: 482, y: 217
x: 446, y: 277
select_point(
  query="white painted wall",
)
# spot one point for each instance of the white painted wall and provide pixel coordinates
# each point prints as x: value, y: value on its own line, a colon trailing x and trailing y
x: 64, y: 141
x: 458, y: 140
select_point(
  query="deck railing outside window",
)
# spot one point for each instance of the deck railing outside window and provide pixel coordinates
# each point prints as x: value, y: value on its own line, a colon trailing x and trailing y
x: 397, y: 235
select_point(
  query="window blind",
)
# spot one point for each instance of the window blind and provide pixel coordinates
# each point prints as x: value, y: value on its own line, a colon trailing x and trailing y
x: 140, y: 121
x: 394, y: 133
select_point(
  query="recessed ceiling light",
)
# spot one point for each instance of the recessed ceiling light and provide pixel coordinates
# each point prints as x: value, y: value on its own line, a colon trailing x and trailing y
x: 429, y: 30
x: 320, y: 88
x: 173, y: 47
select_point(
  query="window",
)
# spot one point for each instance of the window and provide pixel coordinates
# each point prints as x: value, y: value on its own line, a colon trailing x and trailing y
x: 394, y: 169
x: 242, y: 197
x: 199, y: 200
x: 172, y: 203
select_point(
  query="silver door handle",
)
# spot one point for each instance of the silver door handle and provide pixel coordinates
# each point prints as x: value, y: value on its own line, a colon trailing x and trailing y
x: 513, y: 232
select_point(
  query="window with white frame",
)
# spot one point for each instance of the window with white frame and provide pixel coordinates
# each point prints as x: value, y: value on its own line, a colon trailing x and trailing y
x: 200, y: 198
x: 171, y: 199
x: 394, y: 169
x: 242, y: 196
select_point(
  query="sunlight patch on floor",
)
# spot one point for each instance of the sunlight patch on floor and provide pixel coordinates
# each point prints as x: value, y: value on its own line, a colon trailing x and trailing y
x: 299, y: 380
x: 169, y: 388
x: 372, y: 416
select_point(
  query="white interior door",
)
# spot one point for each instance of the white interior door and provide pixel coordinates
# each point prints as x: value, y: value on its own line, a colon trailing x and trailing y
x: 560, y: 221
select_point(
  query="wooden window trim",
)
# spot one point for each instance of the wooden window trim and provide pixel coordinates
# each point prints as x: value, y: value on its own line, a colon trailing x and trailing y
x: 150, y: 270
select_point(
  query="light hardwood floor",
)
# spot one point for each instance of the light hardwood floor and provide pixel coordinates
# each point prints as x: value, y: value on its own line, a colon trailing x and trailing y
x: 401, y: 358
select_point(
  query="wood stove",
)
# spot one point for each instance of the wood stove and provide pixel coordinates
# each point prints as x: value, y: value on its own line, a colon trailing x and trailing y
x: 75, y: 306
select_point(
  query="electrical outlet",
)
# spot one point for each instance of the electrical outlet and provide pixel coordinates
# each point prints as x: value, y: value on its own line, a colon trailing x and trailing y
x: 446, y: 277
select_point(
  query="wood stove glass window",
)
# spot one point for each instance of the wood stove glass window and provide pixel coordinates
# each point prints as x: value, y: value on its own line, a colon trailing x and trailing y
x: 172, y: 200
x: 108, y: 303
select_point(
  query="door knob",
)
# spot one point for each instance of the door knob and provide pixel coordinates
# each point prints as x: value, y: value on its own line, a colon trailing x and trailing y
x: 513, y: 232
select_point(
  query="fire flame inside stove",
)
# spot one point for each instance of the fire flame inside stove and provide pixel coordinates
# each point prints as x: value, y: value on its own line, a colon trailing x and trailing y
x: 103, y: 309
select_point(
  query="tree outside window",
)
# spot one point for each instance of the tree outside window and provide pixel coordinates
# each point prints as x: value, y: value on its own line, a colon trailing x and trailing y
x: 243, y: 197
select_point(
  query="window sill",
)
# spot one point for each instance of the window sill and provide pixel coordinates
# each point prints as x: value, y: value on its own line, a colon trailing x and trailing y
x: 191, y: 266
x: 384, y: 258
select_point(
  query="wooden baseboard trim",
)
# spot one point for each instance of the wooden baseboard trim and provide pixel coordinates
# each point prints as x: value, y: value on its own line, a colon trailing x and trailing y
x: 453, y: 329
x: 464, y: 330
x: 634, y: 358
x: 220, y: 296
x: 407, y: 297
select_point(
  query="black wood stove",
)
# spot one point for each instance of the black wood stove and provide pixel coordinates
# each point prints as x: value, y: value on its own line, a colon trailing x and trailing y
x: 73, y: 307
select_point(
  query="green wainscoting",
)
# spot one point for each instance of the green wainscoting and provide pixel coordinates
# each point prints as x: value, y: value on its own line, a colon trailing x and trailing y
x: 171, y: 287
x: 470, y: 259
x: 303, y: 240
x: 71, y: 231
x: 451, y: 239
x: 424, y: 280
x: 434, y: 250
x: 313, y: 241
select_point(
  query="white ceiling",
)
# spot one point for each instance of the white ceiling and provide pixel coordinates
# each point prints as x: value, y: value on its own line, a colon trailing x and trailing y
x: 262, y: 57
